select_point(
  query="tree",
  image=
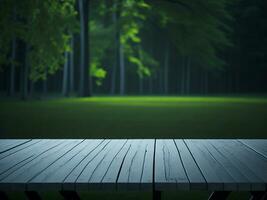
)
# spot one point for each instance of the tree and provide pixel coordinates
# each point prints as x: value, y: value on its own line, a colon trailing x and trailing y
x: 40, y: 26
x: 84, y: 88
x: 132, y: 13
x: 247, y: 56
x: 198, y: 31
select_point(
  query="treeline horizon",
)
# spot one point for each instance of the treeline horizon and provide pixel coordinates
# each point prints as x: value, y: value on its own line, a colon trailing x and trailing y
x: 125, y: 47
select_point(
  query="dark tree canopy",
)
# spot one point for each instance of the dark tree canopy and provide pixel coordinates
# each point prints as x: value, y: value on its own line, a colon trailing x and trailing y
x: 86, y: 47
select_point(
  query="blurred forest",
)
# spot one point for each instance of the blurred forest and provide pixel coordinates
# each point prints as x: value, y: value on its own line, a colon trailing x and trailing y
x: 132, y: 47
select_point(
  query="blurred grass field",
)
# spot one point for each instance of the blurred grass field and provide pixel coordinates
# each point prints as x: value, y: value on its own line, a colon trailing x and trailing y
x: 135, y: 117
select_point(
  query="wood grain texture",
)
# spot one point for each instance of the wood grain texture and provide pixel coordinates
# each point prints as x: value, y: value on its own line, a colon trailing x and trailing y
x: 133, y: 164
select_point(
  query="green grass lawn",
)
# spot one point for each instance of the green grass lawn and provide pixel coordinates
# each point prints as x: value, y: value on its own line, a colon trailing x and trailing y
x: 135, y: 117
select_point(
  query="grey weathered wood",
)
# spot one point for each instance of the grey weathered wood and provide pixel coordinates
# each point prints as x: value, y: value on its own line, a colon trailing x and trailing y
x: 21, y: 176
x: 34, y: 151
x: 110, y: 178
x: 14, y: 161
x: 70, y: 182
x: 216, y: 176
x: 105, y: 163
x: 254, y: 161
x: 193, y: 172
x: 148, y: 168
x: 260, y: 146
x: 137, y: 168
x: 8, y: 144
x: 18, y: 148
x: 54, y: 176
x: 95, y: 170
x: 256, y: 183
x: 169, y: 170
x: 237, y: 165
x: 242, y: 182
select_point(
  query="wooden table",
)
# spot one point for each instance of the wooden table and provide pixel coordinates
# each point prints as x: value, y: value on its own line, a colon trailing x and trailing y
x: 71, y: 165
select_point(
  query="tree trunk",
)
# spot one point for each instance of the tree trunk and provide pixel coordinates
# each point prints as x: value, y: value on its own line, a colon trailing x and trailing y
x: 166, y: 70
x: 122, y: 69
x: 84, y: 88
x: 65, y: 75
x: 141, y: 85
x: 113, y: 78
x: 150, y: 85
x: 161, y: 84
x: 116, y: 44
x: 32, y: 88
x: 188, y: 77
x: 71, y: 65
x: 183, y: 76
x: 24, y: 75
x: 237, y: 80
x: 45, y: 87
x: 206, y: 87
x: 202, y: 83
x: 230, y: 83
x: 12, y: 68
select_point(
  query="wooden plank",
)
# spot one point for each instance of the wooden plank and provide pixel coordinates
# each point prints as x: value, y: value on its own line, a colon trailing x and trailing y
x: 55, y: 174
x: 216, y: 176
x: 259, y: 146
x: 70, y: 181
x: 169, y: 170
x: 34, y: 151
x: 15, y: 161
x: 8, y: 144
x: 256, y: 183
x: 132, y: 164
x: 95, y: 170
x: 193, y: 172
x: 148, y: 168
x: 96, y: 179
x: 19, y: 148
x: 20, y: 177
x: 137, y: 169
x: 4, y: 143
x: 250, y: 158
x: 243, y: 183
x: 110, y: 178
x: 23, y: 157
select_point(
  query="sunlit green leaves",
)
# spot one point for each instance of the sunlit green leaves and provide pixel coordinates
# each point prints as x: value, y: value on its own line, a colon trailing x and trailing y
x: 45, y: 26
x: 98, y: 72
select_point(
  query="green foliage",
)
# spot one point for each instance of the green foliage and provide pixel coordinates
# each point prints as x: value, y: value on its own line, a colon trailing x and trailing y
x: 98, y: 48
x: 49, y: 35
x: 98, y: 72
x: 10, y: 27
x: 99, y: 45
x: 133, y: 15
x: 130, y: 16
x: 142, y: 70
x: 145, y: 63
x: 44, y: 26
x: 196, y: 28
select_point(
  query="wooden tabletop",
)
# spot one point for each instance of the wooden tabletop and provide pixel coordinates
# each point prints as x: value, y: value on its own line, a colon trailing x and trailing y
x: 162, y: 164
